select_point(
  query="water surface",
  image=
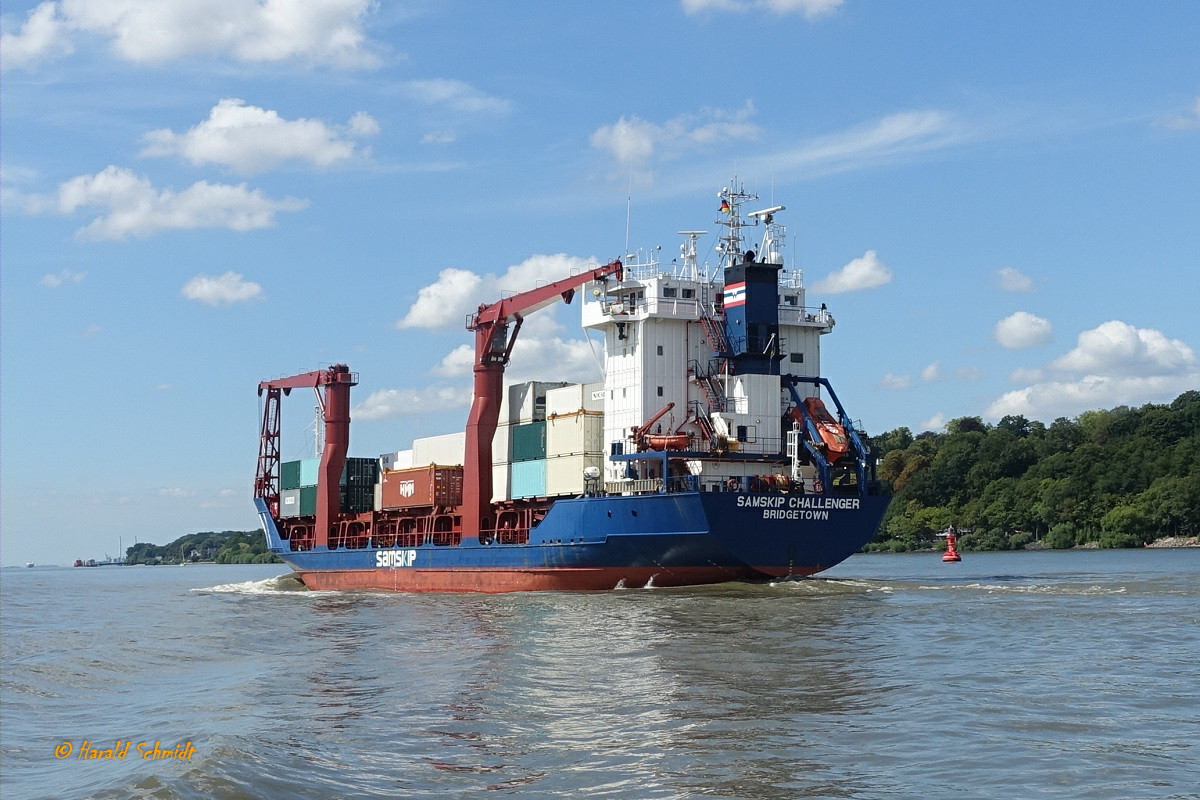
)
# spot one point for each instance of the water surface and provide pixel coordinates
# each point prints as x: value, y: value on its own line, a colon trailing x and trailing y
x: 1051, y: 674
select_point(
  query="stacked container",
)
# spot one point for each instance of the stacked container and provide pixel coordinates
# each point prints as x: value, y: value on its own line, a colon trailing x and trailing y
x: 298, y: 486
x: 549, y: 455
x: 418, y: 487
x: 445, y: 449
x: 574, y: 442
x: 520, y: 440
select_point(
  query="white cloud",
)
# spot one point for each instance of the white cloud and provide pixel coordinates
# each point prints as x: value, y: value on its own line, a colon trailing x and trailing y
x: 1188, y: 120
x: 932, y: 372
x: 542, y: 354
x: 1021, y: 330
x: 1119, y: 349
x: 934, y: 423
x: 251, y: 139
x: 57, y: 279
x: 1112, y: 364
x: 809, y: 8
x: 872, y: 143
x: 447, y: 300
x: 634, y: 142
x: 969, y: 373
x: 329, y: 32
x: 45, y: 35
x: 1026, y: 375
x: 175, y: 491
x: 131, y: 205
x: 457, y: 363
x: 897, y: 382
x: 1013, y: 280
x: 439, y: 137
x: 392, y: 403
x: 91, y: 330
x: 458, y: 292
x: 222, y: 290
x: 455, y: 95
x: 865, y: 272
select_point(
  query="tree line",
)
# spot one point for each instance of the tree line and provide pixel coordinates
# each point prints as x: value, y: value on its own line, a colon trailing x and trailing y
x: 225, y: 547
x: 1117, y: 478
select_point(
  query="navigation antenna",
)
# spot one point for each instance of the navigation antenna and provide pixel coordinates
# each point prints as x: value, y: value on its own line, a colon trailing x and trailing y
x: 318, y: 429
x: 689, y: 269
x: 731, y: 245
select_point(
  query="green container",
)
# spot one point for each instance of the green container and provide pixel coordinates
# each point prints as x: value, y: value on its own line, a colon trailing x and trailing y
x: 289, y: 475
x: 356, y: 472
x: 361, y: 472
x: 529, y: 441
x: 308, y: 501
x: 358, y: 499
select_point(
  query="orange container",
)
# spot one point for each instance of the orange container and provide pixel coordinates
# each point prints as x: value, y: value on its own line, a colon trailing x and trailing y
x: 422, y: 486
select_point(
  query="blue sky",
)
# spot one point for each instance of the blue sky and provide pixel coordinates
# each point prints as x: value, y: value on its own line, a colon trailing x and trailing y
x: 998, y: 201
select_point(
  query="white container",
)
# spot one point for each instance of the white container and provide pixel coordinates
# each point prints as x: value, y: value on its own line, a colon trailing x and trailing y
x: 289, y: 503
x: 574, y: 398
x: 574, y: 434
x: 445, y: 450
x: 401, y: 459
x: 526, y: 402
x: 500, y: 482
x: 501, y: 443
x: 564, y: 474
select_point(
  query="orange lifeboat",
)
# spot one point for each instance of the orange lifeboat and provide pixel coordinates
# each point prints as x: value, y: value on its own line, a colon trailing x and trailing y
x: 678, y: 441
x: 833, y: 435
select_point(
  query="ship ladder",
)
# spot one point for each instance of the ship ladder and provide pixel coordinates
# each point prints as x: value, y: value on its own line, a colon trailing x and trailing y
x: 716, y: 337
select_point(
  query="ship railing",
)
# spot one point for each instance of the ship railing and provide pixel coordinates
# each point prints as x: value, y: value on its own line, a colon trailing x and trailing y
x: 791, y: 279
x: 804, y: 315
x: 635, y: 486
x: 674, y: 306
x: 672, y: 485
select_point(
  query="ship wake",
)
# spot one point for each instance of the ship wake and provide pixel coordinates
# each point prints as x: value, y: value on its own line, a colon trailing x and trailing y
x: 280, y: 584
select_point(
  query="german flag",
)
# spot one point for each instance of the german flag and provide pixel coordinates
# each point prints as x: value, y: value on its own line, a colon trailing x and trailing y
x: 725, y: 207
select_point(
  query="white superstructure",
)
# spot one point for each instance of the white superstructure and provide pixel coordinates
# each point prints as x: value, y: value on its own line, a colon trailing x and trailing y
x: 662, y: 330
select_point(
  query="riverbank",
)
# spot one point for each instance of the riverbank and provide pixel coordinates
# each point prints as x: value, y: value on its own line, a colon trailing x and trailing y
x: 1176, y: 541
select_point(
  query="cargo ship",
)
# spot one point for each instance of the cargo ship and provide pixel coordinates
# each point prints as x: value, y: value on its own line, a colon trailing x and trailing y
x: 713, y: 450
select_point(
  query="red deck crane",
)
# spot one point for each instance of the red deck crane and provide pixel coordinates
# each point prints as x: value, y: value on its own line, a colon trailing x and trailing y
x: 493, y: 347
x: 335, y: 405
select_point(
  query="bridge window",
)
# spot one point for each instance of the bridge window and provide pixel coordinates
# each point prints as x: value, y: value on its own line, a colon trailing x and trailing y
x: 797, y: 358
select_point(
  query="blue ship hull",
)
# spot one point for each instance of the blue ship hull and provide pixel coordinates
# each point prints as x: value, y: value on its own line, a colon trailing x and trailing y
x: 593, y: 543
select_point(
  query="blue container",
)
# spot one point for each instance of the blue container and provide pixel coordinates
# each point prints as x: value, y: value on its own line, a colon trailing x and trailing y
x: 309, y: 469
x: 528, y: 479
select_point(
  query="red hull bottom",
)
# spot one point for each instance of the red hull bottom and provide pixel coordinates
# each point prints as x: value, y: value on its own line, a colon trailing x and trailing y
x: 532, y: 580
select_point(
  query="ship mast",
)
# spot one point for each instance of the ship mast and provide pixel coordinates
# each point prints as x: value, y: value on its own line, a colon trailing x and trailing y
x: 689, y: 269
x: 731, y: 244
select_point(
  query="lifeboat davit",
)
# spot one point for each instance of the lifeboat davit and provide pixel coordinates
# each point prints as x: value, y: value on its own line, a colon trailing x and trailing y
x: 677, y: 441
x: 833, y: 435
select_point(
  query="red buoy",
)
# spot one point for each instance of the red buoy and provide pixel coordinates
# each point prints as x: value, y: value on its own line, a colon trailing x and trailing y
x: 951, y: 554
